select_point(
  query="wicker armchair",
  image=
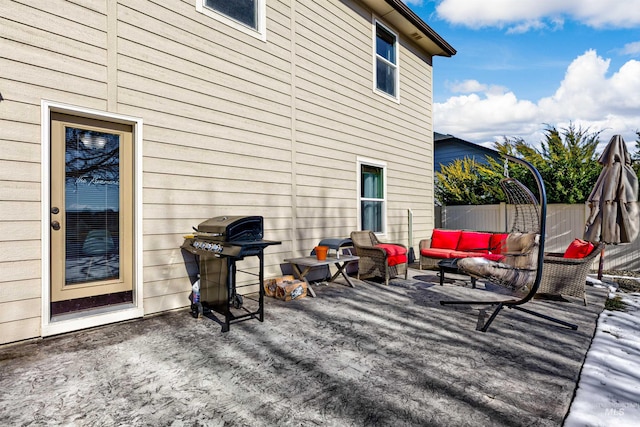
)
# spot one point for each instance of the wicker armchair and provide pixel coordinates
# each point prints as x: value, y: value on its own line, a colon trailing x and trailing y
x: 566, y: 276
x: 374, y: 261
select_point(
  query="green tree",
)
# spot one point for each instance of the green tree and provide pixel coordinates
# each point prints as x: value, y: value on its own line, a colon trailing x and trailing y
x: 566, y: 160
x: 635, y: 157
x: 466, y: 182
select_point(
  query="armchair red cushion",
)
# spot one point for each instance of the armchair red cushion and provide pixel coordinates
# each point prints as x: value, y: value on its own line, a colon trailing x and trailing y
x: 579, y: 249
x: 395, y: 254
x: 445, y: 239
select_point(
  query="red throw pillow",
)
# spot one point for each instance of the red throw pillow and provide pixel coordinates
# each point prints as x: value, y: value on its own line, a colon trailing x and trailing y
x: 579, y: 249
x: 497, y: 242
x: 445, y: 239
x: 474, y: 241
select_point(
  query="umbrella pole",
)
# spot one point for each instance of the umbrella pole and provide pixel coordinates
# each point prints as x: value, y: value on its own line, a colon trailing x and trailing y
x: 601, y: 264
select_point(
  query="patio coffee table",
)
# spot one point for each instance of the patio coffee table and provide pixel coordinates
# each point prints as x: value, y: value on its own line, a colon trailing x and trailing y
x: 308, y: 262
x: 450, y: 265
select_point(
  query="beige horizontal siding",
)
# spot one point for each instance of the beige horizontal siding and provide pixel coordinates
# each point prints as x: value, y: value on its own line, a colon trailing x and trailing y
x: 23, y: 250
x: 241, y: 155
x: 337, y: 109
x: 17, y: 131
x: 18, y: 290
x: 29, y: 35
x: 55, y: 62
x: 28, y: 93
x: 20, y: 329
x: 16, y: 190
x: 20, y: 231
x: 181, y: 182
x: 12, y: 172
x: 166, y: 302
x: 19, y: 310
x: 212, y: 199
x: 233, y: 125
x: 61, y: 18
x: 200, y: 213
x: 198, y: 43
x: 13, y: 271
x: 17, y: 211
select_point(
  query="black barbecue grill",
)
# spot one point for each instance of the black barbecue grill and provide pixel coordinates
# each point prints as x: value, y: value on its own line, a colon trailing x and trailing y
x: 219, y: 243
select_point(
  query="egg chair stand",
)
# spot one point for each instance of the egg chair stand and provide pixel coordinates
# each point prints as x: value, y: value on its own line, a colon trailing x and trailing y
x: 521, y: 268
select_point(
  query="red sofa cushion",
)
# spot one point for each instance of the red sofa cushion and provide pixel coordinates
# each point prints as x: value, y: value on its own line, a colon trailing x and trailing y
x: 436, y: 252
x: 445, y: 239
x: 474, y: 241
x: 395, y: 254
x: 496, y: 242
x: 579, y: 249
x: 466, y: 254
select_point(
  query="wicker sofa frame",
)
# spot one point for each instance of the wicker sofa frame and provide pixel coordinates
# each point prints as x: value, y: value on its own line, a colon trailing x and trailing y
x: 373, y: 261
x: 567, y: 276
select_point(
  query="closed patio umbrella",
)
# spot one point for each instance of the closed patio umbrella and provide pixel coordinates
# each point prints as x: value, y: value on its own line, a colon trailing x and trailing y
x: 614, y: 215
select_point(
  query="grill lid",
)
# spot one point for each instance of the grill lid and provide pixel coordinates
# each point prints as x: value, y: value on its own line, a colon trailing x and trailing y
x: 233, y: 228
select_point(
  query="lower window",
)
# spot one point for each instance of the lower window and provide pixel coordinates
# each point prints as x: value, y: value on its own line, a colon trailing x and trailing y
x: 372, y: 194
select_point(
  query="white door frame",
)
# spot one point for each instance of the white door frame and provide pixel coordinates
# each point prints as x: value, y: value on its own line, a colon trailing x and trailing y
x: 100, y: 316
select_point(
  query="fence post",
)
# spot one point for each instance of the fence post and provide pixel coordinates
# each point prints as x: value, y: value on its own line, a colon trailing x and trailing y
x: 502, y: 216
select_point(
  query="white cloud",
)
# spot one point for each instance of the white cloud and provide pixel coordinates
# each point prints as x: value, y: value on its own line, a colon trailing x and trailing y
x: 632, y: 49
x: 527, y: 26
x: 531, y: 14
x: 588, y: 96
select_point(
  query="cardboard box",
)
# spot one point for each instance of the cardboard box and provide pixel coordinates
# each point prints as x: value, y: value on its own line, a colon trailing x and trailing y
x: 270, y: 284
x: 288, y: 291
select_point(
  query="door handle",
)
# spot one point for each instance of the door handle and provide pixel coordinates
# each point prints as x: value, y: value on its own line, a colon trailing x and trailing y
x: 55, y: 225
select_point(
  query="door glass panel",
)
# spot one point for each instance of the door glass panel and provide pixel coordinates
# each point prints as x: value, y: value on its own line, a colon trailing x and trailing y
x: 92, y: 206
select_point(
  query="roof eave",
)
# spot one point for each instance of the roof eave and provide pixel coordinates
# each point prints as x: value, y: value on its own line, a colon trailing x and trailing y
x: 406, y: 21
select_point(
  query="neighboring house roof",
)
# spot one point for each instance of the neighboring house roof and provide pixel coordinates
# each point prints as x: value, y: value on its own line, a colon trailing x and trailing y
x: 406, y: 21
x: 448, y: 148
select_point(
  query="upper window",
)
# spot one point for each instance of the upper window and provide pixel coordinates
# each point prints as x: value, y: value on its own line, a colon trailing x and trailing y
x: 386, y: 61
x: 372, y: 196
x: 245, y: 15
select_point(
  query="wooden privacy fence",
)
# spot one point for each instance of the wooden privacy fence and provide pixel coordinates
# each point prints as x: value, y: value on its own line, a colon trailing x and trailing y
x: 564, y: 223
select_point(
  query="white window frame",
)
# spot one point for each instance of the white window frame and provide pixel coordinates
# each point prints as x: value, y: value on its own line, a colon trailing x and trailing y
x: 261, y: 19
x: 362, y: 161
x: 395, y: 97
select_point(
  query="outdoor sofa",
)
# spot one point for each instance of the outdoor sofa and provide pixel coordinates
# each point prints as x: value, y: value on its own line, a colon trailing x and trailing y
x: 445, y: 244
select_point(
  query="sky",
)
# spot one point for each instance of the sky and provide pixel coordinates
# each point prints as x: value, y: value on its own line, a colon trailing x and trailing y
x: 524, y: 64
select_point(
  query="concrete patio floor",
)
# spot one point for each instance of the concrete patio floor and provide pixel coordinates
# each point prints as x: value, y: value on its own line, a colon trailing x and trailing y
x: 366, y: 356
